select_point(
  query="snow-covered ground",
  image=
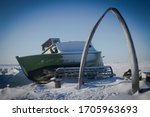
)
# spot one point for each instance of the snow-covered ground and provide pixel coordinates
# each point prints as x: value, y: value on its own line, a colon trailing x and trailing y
x: 19, y: 87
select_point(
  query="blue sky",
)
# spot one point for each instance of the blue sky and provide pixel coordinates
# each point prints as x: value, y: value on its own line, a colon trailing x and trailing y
x: 26, y: 24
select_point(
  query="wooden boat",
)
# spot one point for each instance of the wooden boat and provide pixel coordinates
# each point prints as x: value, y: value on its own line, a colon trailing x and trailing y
x: 41, y: 68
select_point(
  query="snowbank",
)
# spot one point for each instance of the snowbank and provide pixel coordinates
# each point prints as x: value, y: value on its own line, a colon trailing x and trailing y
x: 12, y: 77
x: 110, y: 88
x: 18, y: 87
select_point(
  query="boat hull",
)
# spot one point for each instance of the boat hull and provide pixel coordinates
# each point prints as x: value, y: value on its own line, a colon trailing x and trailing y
x: 41, y: 68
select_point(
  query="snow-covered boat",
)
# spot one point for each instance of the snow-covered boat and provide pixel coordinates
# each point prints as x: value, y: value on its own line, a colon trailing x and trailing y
x: 41, y: 68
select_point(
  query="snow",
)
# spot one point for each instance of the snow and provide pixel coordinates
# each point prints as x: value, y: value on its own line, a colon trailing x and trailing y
x: 18, y: 87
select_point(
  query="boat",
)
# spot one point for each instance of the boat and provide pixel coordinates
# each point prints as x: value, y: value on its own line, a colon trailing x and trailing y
x: 56, y: 54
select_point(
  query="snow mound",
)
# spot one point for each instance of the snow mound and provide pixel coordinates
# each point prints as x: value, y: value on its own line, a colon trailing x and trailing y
x: 16, y: 86
x: 12, y: 76
x: 96, y: 90
x: 104, y: 89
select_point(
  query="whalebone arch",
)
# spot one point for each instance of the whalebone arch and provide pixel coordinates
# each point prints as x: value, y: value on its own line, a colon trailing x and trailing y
x: 130, y: 46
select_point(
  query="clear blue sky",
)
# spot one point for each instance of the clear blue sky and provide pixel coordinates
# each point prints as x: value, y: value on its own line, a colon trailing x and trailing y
x: 26, y: 24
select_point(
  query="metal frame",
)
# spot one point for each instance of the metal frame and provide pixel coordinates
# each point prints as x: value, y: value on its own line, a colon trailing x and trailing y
x: 130, y: 46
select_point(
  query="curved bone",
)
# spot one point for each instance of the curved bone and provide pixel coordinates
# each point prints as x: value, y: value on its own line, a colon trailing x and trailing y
x: 130, y: 45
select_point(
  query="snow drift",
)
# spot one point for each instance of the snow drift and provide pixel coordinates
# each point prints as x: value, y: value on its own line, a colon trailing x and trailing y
x: 18, y: 87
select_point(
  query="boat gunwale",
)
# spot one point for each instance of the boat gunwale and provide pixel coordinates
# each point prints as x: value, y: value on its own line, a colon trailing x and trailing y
x: 62, y: 53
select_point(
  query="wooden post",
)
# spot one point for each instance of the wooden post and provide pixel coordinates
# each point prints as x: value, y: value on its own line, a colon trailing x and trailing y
x: 57, y: 83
